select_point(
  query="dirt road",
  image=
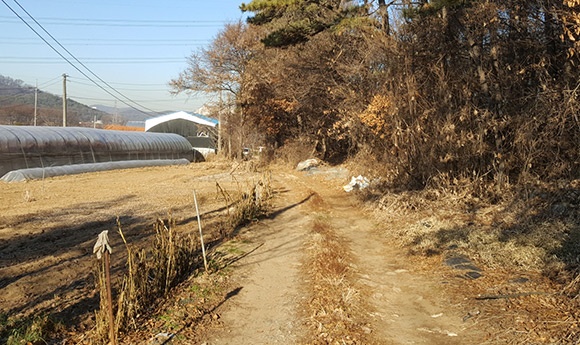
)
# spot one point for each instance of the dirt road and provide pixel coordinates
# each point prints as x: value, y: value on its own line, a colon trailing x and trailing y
x: 394, y: 303
x: 47, y: 230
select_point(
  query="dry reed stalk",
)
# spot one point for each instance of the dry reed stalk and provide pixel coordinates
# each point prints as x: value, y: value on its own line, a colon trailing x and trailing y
x: 153, y: 271
x: 127, y: 311
x: 107, y: 263
x: 247, y: 205
x: 101, y: 329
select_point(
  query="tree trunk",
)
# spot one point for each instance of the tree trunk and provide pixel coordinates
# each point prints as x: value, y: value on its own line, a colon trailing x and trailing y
x: 384, y: 13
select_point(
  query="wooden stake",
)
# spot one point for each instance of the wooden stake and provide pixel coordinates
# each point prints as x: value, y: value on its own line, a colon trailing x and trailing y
x: 101, y: 248
x: 200, y: 232
x: 112, y: 337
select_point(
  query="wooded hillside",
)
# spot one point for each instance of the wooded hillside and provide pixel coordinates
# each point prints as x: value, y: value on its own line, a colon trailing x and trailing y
x: 465, y: 106
x: 440, y: 90
x: 17, y: 106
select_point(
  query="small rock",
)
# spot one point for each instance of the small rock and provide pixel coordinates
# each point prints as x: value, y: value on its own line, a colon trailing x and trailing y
x: 472, y: 275
x: 519, y: 280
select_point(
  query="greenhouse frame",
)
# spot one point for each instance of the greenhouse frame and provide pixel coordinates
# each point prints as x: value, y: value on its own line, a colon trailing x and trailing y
x: 26, y: 147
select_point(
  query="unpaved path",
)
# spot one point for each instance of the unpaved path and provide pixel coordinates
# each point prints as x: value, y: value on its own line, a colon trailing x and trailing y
x: 406, y: 307
x: 264, y: 311
x: 401, y: 306
x: 47, y: 229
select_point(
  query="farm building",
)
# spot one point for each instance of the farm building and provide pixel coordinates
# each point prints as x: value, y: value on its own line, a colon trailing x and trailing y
x: 199, y: 130
x: 25, y: 147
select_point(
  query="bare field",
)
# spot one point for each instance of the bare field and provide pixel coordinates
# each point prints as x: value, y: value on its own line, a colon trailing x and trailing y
x: 48, y: 227
x: 318, y: 270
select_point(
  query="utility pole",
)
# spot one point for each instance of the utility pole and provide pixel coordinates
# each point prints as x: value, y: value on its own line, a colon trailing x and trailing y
x: 35, y: 101
x: 64, y: 99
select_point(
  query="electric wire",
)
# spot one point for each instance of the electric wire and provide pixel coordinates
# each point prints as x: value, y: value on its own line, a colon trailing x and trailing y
x: 50, y: 82
x: 129, y: 84
x: 127, y: 22
x: 93, y: 60
x: 125, y: 40
x: 110, y: 44
x: 122, y: 89
x: 88, y: 69
x: 69, y: 62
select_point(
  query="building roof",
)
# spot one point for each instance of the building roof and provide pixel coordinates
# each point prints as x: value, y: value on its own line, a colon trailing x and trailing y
x: 181, y: 115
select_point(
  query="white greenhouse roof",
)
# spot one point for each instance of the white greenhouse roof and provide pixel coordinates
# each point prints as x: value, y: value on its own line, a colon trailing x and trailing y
x: 196, y: 118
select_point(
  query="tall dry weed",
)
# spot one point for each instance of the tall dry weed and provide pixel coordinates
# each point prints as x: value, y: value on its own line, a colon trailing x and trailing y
x: 153, y: 271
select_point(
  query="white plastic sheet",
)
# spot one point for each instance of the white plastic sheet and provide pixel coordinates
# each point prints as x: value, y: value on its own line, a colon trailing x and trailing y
x: 24, y: 147
x: 39, y: 173
x: 359, y: 182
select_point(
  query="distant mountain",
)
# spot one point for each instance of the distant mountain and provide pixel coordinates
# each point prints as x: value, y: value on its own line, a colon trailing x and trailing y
x: 127, y: 114
x: 17, y: 107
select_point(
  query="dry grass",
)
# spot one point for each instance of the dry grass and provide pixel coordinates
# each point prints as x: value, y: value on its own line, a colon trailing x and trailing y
x: 32, y: 330
x: 295, y: 151
x: 334, y: 304
x: 521, y: 233
x: 174, y: 256
x: 528, y: 232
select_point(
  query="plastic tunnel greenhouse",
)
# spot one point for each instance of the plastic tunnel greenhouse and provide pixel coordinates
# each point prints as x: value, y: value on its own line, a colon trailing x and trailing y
x: 24, y: 147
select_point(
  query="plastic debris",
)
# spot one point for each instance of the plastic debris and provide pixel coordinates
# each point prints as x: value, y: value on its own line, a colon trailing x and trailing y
x: 161, y: 338
x: 360, y: 182
x: 102, y: 244
x: 307, y: 164
x: 21, y: 175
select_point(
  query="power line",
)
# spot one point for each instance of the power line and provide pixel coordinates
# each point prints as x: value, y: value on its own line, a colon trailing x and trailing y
x: 67, y: 60
x: 50, y: 82
x: 130, y: 84
x: 85, y: 43
x: 90, y: 59
x: 124, y: 89
x: 77, y: 60
x: 126, y: 23
x: 126, y: 40
x: 120, y: 20
x: 145, y: 100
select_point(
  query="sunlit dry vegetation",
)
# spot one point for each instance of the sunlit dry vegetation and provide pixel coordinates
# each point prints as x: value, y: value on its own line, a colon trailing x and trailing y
x: 473, y: 98
x: 463, y: 113
x: 153, y: 271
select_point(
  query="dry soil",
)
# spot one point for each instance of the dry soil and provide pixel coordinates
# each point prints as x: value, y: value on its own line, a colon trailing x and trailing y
x: 48, y: 228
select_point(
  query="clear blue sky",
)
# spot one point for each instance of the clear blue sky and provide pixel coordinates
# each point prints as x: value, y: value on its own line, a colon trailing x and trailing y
x: 136, y: 46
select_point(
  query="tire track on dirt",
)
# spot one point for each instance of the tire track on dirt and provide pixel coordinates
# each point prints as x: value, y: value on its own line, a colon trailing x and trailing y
x: 265, y: 309
x: 395, y: 304
x: 405, y: 307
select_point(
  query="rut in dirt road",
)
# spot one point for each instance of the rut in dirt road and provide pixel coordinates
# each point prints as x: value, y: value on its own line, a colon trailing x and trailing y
x: 265, y: 309
x: 405, y: 307
x: 377, y: 298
